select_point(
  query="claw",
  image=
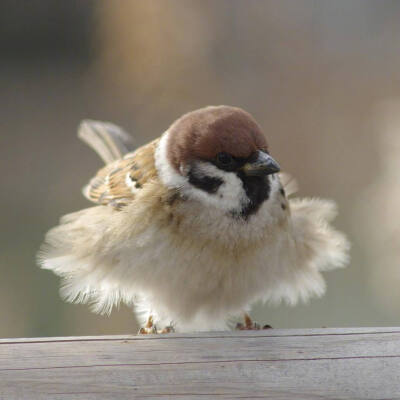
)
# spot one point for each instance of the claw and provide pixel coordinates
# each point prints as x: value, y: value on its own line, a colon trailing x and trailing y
x: 168, y: 329
x: 250, y: 325
x: 239, y: 326
x: 149, y: 328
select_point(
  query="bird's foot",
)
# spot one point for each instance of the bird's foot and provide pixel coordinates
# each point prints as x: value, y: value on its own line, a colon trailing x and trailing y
x: 168, y: 329
x: 146, y: 331
x: 250, y: 325
x: 151, y: 328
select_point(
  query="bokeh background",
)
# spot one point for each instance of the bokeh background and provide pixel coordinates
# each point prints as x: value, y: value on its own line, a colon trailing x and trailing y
x: 322, y: 78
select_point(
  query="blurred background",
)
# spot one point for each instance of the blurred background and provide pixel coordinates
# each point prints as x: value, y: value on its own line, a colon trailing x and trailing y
x: 321, y: 77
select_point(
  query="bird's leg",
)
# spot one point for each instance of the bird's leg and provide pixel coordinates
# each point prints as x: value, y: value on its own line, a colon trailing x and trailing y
x: 168, y: 329
x: 148, y: 328
x: 249, y: 324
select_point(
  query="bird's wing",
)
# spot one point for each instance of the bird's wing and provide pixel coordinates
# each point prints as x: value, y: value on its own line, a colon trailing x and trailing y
x: 117, y: 183
x: 109, y: 141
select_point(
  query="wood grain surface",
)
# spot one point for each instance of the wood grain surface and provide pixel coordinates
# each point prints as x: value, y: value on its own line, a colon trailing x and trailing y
x: 350, y: 363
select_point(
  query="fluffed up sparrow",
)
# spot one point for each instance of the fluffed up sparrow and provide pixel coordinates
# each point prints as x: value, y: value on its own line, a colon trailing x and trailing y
x: 192, y: 228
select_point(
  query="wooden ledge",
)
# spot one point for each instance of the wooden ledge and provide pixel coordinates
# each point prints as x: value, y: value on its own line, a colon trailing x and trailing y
x: 348, y: 363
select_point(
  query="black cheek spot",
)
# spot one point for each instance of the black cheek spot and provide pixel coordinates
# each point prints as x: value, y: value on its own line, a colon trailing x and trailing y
x: 207, y: 183
x: 282, y: 191
x: 138, y: 185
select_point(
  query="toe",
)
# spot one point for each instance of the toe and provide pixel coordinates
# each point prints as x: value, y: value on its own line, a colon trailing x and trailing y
x: 239, y: 326
x: 168, y: 329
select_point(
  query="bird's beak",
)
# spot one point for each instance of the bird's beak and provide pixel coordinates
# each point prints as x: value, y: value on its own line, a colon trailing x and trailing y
x: 263, y: 164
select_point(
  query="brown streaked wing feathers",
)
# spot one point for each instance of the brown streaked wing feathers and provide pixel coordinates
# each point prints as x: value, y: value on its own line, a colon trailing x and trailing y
x: 117, y: 182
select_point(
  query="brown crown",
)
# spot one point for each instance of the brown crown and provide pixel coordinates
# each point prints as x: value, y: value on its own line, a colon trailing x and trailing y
x: 203, y: 133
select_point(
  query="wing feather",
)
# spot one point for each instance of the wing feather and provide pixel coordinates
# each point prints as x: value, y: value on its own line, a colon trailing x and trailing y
x: 117, y: 183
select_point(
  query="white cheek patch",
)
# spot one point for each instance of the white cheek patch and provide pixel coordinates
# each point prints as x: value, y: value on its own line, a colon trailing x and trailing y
x: 229, y: 197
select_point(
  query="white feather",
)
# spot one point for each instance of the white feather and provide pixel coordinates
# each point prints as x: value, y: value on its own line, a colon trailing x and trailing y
x: 202, y: 266
x: 201, y: 271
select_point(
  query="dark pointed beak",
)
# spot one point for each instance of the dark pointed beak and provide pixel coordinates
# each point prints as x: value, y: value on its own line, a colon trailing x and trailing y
x: 263, y: 164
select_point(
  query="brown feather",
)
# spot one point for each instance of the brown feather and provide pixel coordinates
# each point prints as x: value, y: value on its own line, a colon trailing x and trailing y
x: 117, y: 182
x: 204, y: 133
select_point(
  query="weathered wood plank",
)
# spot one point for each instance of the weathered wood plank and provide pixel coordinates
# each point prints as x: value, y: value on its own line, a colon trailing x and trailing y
x: 362, y: 363
x: 271, y: 332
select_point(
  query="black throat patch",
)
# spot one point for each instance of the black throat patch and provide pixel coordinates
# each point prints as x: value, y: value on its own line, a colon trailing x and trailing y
x: 257, y: 189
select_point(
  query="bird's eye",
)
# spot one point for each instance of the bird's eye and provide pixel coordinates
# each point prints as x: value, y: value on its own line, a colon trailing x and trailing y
x: 224, y: 159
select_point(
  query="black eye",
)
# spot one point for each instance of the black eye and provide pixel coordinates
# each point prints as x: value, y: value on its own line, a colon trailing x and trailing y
x: 224, y: 159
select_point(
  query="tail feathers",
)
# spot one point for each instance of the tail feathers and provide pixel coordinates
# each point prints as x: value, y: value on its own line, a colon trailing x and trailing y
x: 109, y: 141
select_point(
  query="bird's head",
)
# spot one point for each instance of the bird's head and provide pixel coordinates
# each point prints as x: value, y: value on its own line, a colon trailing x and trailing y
x: 218, y: 156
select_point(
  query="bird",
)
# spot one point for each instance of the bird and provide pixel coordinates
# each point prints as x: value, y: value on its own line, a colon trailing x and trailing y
x: 193, y: 228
